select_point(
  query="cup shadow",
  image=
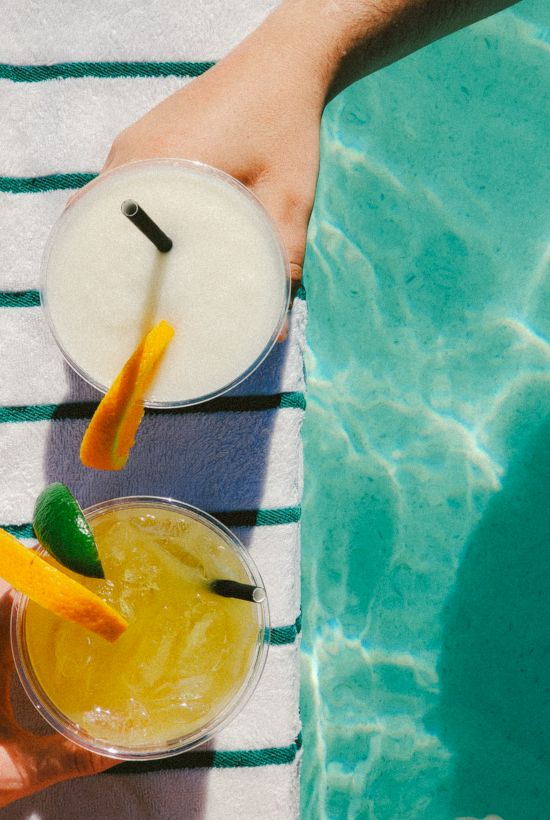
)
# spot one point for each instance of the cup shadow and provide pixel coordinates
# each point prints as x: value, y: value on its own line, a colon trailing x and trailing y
x: 494, y: 711
x: 214, y: 460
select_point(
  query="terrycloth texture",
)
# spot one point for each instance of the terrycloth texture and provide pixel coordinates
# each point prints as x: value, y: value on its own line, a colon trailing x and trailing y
x: 239, y: 458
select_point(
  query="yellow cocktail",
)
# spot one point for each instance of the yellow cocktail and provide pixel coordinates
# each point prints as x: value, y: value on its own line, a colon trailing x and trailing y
x: 189, y: 657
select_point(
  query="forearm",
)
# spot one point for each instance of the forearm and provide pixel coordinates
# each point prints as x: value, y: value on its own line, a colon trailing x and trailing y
x: 339, y: 41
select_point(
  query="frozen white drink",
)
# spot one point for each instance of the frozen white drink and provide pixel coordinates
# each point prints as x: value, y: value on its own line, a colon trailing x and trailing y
x: 224, y: 285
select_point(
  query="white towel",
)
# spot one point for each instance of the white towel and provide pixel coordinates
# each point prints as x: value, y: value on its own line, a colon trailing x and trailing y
x: 239, y: 458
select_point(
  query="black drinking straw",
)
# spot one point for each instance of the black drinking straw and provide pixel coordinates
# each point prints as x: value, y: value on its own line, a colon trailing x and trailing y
x: 143, y: 221
x: 233, y: 589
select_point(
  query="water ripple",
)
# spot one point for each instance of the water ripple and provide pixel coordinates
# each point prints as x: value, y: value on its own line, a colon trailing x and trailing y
x: 429, y: 383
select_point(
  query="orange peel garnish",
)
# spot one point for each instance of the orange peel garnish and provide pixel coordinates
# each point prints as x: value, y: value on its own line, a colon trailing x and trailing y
x: 26, y: 571
x: 111, y: 433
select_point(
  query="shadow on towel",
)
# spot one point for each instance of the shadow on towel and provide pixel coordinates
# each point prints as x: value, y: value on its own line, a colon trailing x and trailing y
x: 215, y: 459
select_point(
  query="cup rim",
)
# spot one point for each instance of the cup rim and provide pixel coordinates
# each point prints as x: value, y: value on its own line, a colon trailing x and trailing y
x: 200, y: 167
x: 183, y: 743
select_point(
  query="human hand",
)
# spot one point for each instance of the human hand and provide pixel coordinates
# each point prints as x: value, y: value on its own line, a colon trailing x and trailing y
x: 30, y: 762
x: 255, y: 115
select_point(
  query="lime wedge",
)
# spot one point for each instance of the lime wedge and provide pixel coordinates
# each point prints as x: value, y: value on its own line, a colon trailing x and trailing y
x: 62, y: 529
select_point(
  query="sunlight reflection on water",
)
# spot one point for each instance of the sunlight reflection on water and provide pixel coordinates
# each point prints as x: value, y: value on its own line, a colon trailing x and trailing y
x: 425, y: 527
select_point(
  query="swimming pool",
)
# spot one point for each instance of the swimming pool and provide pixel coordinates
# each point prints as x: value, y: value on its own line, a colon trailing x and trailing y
x: 426, y: 526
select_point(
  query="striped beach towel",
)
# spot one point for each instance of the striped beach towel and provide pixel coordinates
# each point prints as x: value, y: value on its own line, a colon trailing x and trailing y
x: 72, y: 76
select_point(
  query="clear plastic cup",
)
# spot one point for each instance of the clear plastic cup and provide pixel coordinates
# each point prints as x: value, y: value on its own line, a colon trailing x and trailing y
x: 59, y: 657
x: 224, y: 285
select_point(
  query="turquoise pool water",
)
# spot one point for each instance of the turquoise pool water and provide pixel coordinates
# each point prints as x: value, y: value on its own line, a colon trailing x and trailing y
x: 426, y: 527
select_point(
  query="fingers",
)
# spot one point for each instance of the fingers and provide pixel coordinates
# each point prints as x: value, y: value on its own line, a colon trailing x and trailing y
x: 283, y: 333
x: 296, y: 272
x: 59, y: 759
x: 79, y: 762
x: 30, y: 763
x: 295, y: 282
x: 290, y: 210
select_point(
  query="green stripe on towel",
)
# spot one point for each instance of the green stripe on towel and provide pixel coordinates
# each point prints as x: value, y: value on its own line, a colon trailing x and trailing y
x: 85, y: 409
x: 19, y: 530
x: 212, y: 759
x: 61, y: 182
x: 231, y: 518
x: 284, y: 515
x: 50, y: 182
x: 104, y: 70
x: 278, y: 635
x: 31, y: 298
x: 282, y: 635
x: 19, y: 298
x: 259, y: 518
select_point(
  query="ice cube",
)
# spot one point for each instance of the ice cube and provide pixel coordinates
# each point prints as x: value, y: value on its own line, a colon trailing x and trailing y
x: 128, y: 724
